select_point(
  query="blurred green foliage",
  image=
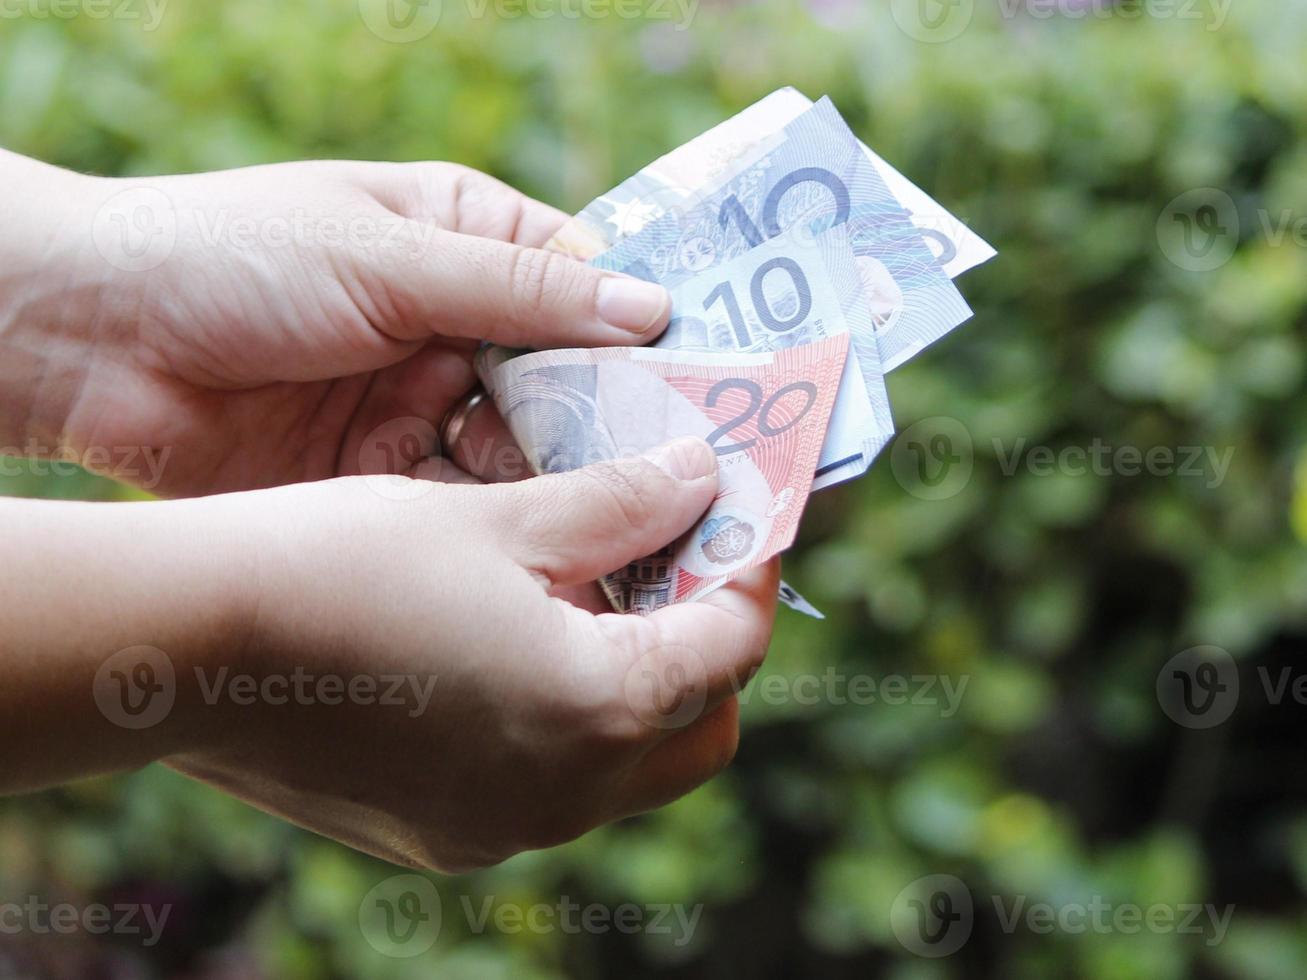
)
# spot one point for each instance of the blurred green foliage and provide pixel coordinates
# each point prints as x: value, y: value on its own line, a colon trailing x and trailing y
x: 1054, y: 598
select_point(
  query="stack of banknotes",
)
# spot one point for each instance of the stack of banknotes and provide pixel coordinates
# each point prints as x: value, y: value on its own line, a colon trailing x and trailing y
x: 802, y: 267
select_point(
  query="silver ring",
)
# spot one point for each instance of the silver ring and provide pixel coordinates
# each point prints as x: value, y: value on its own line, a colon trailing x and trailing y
x: 455, y: 420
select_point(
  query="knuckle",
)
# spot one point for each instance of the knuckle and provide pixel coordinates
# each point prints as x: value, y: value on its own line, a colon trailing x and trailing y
x: 434, y: 176
x: 516, y: 509
x: 529, y: 522
x: 615, y: 731
x: 749, y: 639
x: 539, y: 279
x: 625, y: 491
x: 596, y: 701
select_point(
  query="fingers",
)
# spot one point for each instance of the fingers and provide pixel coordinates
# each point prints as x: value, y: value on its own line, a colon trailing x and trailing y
x: 702, y: 652
x: 684, y: 761
x: 575, y: 527
x: 683, y: 668
x: 485, y: 448
x: 452, y: 196
x: 472, y: 287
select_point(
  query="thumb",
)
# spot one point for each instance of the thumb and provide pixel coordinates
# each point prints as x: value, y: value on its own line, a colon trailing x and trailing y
x: 575, y: 527
x: 466, y: 286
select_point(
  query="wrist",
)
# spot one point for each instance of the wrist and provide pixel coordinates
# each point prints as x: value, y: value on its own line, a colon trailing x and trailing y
x: 116, y: 606
x: 54, y: 288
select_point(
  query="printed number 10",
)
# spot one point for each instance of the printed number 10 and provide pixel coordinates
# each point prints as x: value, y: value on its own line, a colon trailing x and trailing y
x: 725, y: 292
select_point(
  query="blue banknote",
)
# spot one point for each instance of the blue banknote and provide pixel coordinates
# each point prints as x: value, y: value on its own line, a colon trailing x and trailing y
x: 812, y: 175
x: 776, y: 296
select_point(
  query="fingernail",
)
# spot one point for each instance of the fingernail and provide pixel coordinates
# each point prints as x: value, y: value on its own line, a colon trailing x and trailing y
x: 684, y: 459
x: 632, y: 304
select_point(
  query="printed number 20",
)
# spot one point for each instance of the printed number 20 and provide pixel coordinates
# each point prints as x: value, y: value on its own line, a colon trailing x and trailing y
x: 757, y: 408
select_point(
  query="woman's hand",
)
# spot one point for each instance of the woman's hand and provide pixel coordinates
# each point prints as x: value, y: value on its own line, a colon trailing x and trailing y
x: 287, y: 324
x: 277, y: 324
x: 385, y: 661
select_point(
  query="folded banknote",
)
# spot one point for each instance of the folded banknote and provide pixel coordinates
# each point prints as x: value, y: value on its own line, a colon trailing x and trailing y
x: 810, y: 176
x: 801, y: 268
x: 674, y: 179
x: 764, y: 414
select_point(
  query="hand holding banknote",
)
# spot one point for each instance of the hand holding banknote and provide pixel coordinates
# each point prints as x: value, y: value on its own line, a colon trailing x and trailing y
x: 531, y: 720
x: 796, y: 268
x: 265, y: 324
x: 776, y: 232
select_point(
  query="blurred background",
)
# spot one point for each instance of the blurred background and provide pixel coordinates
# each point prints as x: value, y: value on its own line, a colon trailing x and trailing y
x: 987, y: 723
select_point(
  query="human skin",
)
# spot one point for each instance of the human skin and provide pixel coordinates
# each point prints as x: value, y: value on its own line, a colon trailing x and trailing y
x: 268, y: 360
